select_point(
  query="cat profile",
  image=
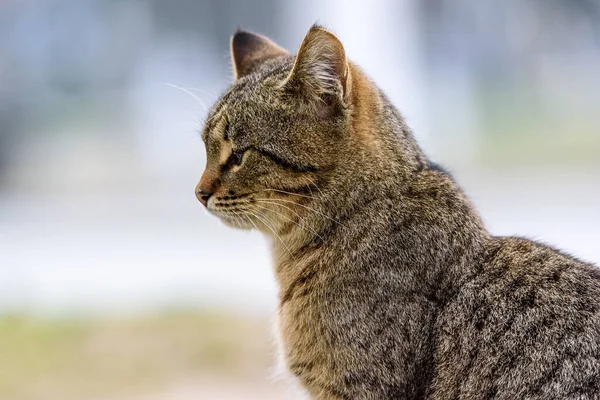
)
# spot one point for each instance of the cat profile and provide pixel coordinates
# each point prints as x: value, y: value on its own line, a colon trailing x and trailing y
x: 390, y: 287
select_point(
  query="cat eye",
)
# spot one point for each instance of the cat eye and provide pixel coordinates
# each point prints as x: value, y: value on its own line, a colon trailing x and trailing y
x: 234, y: 159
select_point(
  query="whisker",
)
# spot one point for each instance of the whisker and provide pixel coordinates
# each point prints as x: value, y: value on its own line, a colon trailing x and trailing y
x: 198, y: 99
x: 265, y: 215
x: 280, y: 205
x: 272, y: 230
x: 310, y: 190
x: 250, y: 219
x: 205, y: 92
x: 278, y: 213
x: 314, y: 184
x: 283, y: 191
x: 207, y: 120
x: 307, y: 227
x: 238, y: 218
x: 308, y: 208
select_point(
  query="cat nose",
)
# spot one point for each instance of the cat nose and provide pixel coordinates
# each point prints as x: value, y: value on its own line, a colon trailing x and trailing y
x: 205, y: 189
x: 203, y: 196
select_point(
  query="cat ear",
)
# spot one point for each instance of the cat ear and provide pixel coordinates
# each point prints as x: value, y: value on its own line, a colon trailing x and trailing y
x: 321, y: 69
x: 249, y: 50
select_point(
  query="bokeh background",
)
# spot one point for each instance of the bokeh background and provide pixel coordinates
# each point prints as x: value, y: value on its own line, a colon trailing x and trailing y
x: 115, y: 283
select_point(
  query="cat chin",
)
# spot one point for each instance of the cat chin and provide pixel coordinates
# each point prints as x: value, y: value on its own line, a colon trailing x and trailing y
x: 236, y: 223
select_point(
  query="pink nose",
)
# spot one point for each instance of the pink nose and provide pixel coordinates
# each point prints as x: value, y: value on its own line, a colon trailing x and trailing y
x: 203, y: 196
x: 206, y: 188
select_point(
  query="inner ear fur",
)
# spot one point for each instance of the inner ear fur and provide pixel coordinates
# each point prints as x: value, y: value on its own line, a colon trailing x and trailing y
x: 320, y: 71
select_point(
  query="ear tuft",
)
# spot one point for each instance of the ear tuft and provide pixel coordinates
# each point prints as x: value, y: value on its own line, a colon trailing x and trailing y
x: 321, y: 67
x: 249, y: 50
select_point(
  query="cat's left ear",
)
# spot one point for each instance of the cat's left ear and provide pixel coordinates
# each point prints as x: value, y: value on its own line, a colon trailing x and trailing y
x: 320, y: 71
x: 249, y: 50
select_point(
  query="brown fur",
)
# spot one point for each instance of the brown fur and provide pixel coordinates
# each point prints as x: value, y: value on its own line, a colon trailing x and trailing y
x: 389, y: 285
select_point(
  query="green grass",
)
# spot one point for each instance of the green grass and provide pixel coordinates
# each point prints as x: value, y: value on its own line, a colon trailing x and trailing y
x: 67, y: 359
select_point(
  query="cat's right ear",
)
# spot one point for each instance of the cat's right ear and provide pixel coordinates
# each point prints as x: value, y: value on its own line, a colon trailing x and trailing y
x: 249, y: 50
x: 320, y: 72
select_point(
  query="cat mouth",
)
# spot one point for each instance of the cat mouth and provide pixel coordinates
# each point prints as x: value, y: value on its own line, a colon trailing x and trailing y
x: 236, y: 212
x: 265, y: 213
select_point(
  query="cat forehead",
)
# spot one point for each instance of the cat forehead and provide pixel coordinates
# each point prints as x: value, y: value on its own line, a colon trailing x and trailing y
x: 239, y: 96
x: 263, y: 82
x: 242, y: 99
x: 234, y: 107
x: 248, y: 94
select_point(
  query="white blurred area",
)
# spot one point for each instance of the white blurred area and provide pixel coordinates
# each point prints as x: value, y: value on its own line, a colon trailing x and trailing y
x: 99, y: 153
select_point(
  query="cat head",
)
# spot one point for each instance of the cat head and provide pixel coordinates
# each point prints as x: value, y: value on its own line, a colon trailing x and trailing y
x: 284, y: 135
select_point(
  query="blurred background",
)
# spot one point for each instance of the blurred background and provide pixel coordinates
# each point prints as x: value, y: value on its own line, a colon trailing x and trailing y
x: 115, y: 283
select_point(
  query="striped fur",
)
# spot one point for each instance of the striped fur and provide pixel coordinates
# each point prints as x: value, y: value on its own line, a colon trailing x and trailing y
x: 390, y: 285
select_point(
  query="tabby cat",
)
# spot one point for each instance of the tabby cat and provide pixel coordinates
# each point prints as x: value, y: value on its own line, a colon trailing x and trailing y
x: 390, y: 287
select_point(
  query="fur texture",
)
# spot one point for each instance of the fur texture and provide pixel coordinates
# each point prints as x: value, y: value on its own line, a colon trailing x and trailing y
x: 390, y: 287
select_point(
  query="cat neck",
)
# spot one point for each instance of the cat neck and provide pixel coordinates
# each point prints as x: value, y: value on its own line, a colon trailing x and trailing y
x: 385, y: 186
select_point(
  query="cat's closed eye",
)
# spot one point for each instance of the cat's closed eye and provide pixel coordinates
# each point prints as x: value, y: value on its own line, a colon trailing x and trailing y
x: 235, y: 158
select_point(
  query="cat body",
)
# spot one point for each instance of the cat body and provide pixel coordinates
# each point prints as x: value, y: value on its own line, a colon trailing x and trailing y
x: 390, y: 287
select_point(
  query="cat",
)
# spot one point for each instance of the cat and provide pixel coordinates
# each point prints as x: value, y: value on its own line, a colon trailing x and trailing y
x: 390, y: 287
